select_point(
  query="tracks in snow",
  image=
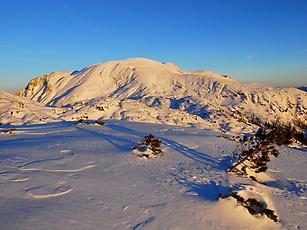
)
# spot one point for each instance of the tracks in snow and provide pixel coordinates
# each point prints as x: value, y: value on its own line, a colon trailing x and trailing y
x: 30, y: 173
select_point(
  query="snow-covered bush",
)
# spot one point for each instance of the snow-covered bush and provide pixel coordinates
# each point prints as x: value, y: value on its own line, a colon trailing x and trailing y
x: 83, y: 120
x: 256, y: 151
x: 8, y: 131
x: 99, y: 108
x: 253, y: 206
x: 148, y: 147
x: 99, y: 122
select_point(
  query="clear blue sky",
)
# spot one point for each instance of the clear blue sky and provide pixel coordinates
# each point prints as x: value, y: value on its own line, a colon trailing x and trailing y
x: 254, y: 40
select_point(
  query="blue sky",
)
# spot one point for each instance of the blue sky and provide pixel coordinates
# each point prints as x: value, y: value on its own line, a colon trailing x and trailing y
x: 253, y: 40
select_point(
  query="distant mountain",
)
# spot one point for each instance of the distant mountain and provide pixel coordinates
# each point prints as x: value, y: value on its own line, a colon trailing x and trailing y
x: 145, y: 90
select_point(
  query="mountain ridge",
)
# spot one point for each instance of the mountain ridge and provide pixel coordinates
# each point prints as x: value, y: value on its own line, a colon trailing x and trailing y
x: 142, y: 89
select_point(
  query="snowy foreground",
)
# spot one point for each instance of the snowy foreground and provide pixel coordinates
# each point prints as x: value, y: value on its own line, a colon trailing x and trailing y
x: 66, y: 176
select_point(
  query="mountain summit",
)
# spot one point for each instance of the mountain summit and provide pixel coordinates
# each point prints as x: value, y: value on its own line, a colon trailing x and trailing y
x: 135, y: 77
x: 140, y: 89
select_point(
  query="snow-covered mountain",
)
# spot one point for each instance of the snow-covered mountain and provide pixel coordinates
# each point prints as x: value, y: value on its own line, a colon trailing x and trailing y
x: 145, y: 90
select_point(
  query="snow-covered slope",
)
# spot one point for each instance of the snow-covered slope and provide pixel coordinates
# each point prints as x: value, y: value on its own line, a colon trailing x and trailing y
x: 144, y: 90
x: 17, y: 110
x: 67, y: 176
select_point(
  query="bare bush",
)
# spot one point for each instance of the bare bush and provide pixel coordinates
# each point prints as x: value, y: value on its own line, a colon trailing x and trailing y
x: 8, y: 131
x: 100, y: 122
x: 253, y: 206
x: 256, y: 151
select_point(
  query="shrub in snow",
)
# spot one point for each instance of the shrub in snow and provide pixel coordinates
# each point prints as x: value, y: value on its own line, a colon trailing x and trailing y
x: 292, y: 129
x: 256, y: 151
x: 99, y: 122
x: 99, y: 108
x: 288, y: 133
x: 253, y: 156
x: 253, y: 206
x: 8, y: 131
x: 83, y: 120
x: 148, y: 147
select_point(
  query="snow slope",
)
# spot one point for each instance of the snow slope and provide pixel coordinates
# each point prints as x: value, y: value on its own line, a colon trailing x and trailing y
x: 145, y: 90
x: 66, y: 176
x: 17, y: 110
